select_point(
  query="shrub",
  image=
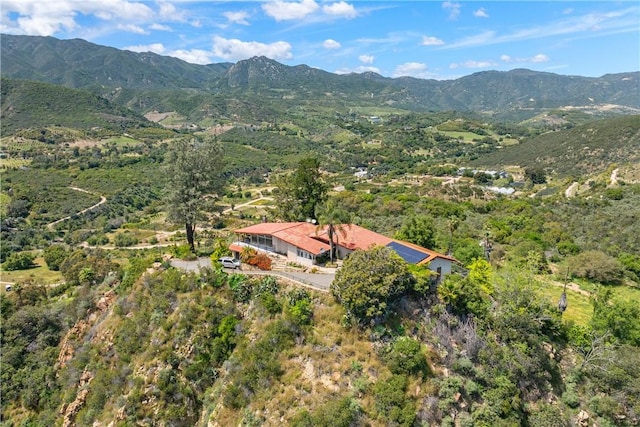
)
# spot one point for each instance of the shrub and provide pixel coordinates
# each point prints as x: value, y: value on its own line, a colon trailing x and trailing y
x: 262, y: 261
x: 54, y: 255
x: 342, y: 412
x: 125, y: 239
x: 596, y: 266
x: 241, y: 287
x: 268, y: 284
x: 270, y: 303
x: 247, y: 253
x: 404, y: 356
x: 19, y: 261
x: 392, y: 403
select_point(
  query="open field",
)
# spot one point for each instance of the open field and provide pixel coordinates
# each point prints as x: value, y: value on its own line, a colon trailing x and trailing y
x: 40, y: 274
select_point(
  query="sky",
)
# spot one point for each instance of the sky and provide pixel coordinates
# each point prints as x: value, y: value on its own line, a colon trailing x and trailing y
x: 423, y: 39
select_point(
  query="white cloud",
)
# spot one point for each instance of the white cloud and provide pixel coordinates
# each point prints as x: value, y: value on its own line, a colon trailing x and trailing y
x: 623, y: 20
x: 454, y: 9
x: 46, y: 18
x: 431, y: 41
x: 331, y: 44
x: 194, y: 56
x: 239, y: 17
x: 473, y: 64
x: 130, y: 28
x: 236, y: 50
x: 366, y: 59
x: 541, y: 57
x: 481, y: 13
x: 360, y: 69
x: 284, y: 11
x: 160, y: 27
x: 154, y: 47
x: 342, y: 9
x: 169, y: 11
x: 413, y: 69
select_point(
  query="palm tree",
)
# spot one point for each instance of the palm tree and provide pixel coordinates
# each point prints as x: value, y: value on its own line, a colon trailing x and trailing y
x: 331, y: 215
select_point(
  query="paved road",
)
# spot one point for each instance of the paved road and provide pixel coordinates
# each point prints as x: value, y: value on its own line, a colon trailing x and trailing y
x: 320, y: 282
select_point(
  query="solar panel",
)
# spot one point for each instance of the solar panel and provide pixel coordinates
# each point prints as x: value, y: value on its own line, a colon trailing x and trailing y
x: 408, y: 254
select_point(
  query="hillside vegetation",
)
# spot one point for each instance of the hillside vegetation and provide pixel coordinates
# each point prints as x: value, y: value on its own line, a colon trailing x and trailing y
x: 104, y: 322
x: 584, y: 149
x: 27, y: 104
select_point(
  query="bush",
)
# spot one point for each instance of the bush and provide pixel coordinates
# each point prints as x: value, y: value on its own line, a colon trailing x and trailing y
x: 19, y: 261
x: 241, y: 287
x: 342, y: 412
x: 262, y: 261
x: 404, y: 356
x: 54, y: 255
x: 125, y: 239
x: 596, y: 266
x: 392, y: 402
x: 270, y: 303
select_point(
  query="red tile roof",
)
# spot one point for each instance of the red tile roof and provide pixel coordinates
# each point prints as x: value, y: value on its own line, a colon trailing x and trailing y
x: 311, y: 238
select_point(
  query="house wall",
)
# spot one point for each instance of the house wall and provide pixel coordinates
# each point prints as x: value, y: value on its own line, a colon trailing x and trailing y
x: 291, y: 252
x: 280, y: 247
x: 444, y: 264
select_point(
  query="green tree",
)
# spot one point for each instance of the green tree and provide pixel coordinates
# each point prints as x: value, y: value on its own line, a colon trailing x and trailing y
x: 194, y: 169
x: 54, y: 255
x: 404, y: 356
x: 370, y: 282
x: 335, y: 219
x: 470, y: 294
x: 301, y: 192
x: 596, y: 266
x: 619, y: 317
x: 419, y: 230
x: 19, y: 261
x: 535, y: 175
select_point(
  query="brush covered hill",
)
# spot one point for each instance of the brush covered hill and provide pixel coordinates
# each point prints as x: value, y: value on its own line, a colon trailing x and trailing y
x: 155, y: 346
x: 29, y: 104
x: 582, y: 150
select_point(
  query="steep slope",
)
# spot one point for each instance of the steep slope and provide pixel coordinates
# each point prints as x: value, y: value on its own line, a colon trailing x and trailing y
x: 28, y: 104
x: 78, y: 63
x: 584, y: 149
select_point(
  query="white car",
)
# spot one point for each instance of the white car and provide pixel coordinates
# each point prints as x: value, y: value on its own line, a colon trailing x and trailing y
x: 229, y: 262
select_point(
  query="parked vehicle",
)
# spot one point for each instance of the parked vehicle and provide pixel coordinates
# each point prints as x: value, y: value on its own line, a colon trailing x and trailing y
x: 229, y: 262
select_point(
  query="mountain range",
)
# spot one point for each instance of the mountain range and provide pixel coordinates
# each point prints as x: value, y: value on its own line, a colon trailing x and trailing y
x: 142, y: 81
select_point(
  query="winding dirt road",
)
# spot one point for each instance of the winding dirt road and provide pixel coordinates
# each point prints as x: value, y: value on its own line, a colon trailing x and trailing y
x: 102, y: 201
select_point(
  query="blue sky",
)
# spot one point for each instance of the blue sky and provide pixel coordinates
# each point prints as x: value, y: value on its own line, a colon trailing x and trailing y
x: 424, y: 39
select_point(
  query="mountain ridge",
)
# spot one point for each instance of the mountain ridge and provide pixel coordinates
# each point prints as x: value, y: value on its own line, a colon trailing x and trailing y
x: 81, y: 64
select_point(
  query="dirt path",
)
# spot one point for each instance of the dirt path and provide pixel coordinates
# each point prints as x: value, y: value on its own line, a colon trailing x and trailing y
x: 227, y: 210
x: 570, y: 287
x: 102, y: 200
x: 614, y: 177
x: 571, y: 190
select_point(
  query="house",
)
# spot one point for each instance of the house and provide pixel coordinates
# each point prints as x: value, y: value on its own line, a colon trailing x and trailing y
x: 305, y: 243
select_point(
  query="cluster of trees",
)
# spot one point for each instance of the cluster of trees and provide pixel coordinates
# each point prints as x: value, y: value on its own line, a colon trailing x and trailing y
x: 501, y: 340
